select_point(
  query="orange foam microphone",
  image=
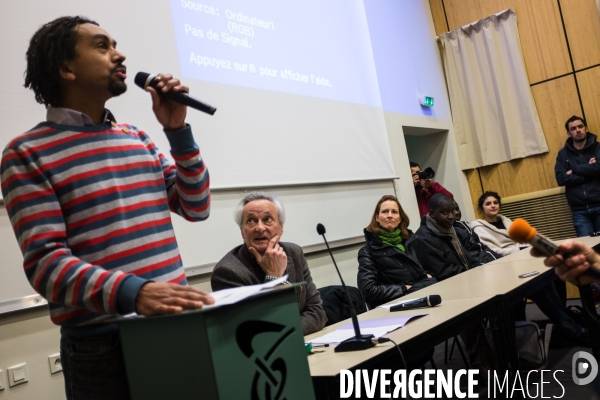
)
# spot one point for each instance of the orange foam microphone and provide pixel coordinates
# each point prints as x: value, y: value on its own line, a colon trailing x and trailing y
x: 520, y: 231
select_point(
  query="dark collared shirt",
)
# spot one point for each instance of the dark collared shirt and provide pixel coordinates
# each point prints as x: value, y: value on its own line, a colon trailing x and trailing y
x: 66, y: 116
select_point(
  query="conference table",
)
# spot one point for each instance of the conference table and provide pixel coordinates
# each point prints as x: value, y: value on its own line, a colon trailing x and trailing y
x: 485, y: 291
x: 417, y: 336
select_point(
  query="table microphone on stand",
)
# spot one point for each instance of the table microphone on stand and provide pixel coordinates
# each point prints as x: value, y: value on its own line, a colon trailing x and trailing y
x: 358, y: 342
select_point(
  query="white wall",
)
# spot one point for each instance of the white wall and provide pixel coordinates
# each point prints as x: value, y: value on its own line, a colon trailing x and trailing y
x: 422, y: 66
x: 438, y: 151
x: 29, y: 337
x: 435, y: 150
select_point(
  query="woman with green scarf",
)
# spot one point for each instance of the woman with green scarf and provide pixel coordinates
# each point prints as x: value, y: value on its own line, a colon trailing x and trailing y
x: 386, y: 267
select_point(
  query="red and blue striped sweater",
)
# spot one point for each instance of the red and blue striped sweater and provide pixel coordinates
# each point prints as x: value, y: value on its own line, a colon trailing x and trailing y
x: 90, y: 207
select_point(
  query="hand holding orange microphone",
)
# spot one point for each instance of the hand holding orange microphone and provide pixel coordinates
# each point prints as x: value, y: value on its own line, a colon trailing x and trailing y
x: 573, y: 261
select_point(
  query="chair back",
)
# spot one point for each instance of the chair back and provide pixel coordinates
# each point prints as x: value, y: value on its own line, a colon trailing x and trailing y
x: 335, y: 303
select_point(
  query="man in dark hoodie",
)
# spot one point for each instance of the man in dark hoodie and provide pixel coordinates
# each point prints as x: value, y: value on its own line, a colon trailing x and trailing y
x: 577, y: 170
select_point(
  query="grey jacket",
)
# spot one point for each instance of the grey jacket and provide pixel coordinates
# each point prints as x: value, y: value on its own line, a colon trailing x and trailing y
x: 239, y: 268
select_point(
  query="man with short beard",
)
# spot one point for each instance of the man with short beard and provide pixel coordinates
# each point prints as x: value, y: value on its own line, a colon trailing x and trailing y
x: 90, y: 202
x: 577, y: 170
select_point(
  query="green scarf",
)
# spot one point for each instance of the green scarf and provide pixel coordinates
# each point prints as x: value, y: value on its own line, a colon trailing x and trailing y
x: 392, y: 238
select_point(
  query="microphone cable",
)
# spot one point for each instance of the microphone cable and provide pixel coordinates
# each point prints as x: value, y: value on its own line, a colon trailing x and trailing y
x: 385, y: 340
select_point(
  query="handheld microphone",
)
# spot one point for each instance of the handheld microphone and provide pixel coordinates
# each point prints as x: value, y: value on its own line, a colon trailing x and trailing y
x: 358, y: 342
x: 143, y: 80
x: 520, y: 231
x: 429, y: 301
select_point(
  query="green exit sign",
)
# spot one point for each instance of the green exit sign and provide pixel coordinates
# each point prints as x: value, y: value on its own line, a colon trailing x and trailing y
x: 426, y: 101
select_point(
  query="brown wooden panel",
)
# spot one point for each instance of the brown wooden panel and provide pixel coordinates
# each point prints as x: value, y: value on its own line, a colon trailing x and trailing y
x: 540, y: 30
x: 583, y: 30
x: 474, y: 186
x: 511, y: 178
x: 556, y: 101
x: 463, y: 12
x: 439, y: 19
x: 572, y: 291
x: 589, y: 87
x: 542, y: 39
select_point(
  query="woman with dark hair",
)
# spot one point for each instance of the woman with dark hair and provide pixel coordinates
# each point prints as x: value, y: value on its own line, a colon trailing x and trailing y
x: 493, y: 232
x: 387, y: 269
x: 492, y: 229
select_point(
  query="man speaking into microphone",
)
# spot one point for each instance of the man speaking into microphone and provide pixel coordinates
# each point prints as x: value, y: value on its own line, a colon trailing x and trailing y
x: 90, y: 200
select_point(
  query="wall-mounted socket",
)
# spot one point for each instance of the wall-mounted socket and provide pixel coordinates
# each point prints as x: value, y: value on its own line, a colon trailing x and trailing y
x: 2, y: 381
x: 18, y: 375
x: 55, y: 363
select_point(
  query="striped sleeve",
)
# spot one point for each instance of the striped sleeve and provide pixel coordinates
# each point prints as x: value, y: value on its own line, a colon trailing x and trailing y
x: 187, y: 179
x: 51, y: 268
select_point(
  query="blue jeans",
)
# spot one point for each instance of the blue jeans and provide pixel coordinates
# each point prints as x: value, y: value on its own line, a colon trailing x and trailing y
x: 549, y: 302
x: 93, y: 368
x: 586, y: 221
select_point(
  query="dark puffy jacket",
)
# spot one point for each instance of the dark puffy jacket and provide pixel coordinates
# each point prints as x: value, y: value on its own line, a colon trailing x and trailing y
x: 383, y: 271
x: 437, y: 255
x: 583, y: 184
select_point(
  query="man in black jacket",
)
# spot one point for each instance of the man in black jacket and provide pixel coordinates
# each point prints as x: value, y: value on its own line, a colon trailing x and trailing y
x: 444, y: 248
x: 478, y: 249
x: 444, y: 251
x: 577, y: 170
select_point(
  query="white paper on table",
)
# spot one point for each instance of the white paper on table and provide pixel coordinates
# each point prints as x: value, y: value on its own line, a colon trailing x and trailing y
x: 336, y: 336
x: 234, y: 295
x: 340, y: 335
x: 376, y: 327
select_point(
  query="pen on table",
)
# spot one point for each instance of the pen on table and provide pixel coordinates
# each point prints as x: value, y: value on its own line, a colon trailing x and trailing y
x: 314, y: 346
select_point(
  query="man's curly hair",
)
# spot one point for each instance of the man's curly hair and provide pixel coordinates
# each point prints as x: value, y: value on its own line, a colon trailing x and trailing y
x: 52, y: 45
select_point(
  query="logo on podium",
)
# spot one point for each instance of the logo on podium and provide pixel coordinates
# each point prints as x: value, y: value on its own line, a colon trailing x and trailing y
x: 271, y: 372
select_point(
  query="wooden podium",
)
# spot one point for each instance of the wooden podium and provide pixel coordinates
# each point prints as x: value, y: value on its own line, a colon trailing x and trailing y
x: 253, y: 349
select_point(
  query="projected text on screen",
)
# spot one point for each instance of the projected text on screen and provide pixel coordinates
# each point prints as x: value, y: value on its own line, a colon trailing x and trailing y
x: 311, y: 48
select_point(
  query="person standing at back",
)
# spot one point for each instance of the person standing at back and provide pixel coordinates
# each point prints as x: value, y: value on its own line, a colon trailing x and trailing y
x: 578, y: 171
x: 425, y: 188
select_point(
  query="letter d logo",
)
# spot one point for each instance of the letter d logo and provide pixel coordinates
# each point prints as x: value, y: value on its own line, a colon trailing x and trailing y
x: 583, y: 367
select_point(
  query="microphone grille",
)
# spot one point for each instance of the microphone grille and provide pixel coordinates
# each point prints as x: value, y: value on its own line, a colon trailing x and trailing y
x: 520, y: 231
x: 435, y: 299
x: 320, y: 229
x: 140, y: 79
